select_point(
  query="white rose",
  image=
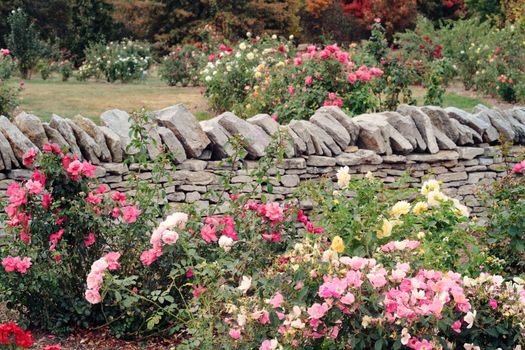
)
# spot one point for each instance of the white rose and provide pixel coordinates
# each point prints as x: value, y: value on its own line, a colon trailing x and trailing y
x: 226, y: 243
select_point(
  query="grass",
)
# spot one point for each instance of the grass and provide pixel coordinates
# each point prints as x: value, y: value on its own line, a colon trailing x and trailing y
x: 90, y: 99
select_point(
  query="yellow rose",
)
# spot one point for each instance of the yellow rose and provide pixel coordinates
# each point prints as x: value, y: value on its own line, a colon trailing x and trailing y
x: 420, y: 207
x: 386, y: 229
x: 400, y: 208
x: 343, y: 177
x: 338, y: 245
x: 435, y: 198
x: 421, y: 235
x: 429, y: 186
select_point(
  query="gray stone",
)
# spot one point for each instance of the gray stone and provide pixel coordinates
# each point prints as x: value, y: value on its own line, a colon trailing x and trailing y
x: 176, y: 197
x: 441, y: 120
x: 470, y: 120
x: 436, y: 157
x: 20, y: 144
x: 61, y: 125
x: 219, y: 137
x: 119, y: 122
x: 115, y: 168
x: 289, y: 141
x: 516, y: 125
x: 467, y: 136
x: 195, y: 177
x: 290, y: 180
x: 186, y: 128
x: 424, y: 125
x: 297, y: 129
x: 449, y: 177
x: 96, y: 134
x: 31, y: 126
x: 9, y: 160
x: 360, y: 157
x: 443, y: 141
x: 394, y: 158
x: 332, y: 127
x: 89, y: 148
x: 322, y: 143
x: 265, y: 122
x: 491, y: 134
x: 54, y: 136
x: 255, y: 139
x: 406, y: 126
x: 518, y: 113
x: 193, y: 165
x: 351, y: 127
x: 114, y: 144
x: 469, y: 152
x: 498, y: 121
x: 320, y: 161
x: 154, y: 145
x: 392, y: 138
x: 292, y: 163
x: 372, y: 138
x: 19, y: 174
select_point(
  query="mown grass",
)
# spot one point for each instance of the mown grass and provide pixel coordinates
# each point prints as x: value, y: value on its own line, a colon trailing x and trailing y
x: 90, y: 99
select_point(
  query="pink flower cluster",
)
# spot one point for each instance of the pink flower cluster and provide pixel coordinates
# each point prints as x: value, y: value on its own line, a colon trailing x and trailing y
x: 17, y: 264
x: 163, y: 235
x: 95, y: 277
x: 519, y: 168
x: 333, y: 100
x: 129, y: 213
x: 213, y: 224
x: 403, y: 245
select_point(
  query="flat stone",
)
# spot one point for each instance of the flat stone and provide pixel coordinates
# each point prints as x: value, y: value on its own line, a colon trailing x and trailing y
x: 491, y: 134
x: 96, y: 134
x: 346, y: 121
x: 443, y: 141
x: 195, y: 177
x: 115, y: 168
x: 394, y: 158
x: 436, y: 157
x: 192, y: 188
x: 219, y: 137
x: 9, y: 160
x: 498, y: 121
x: 290, y: 180
x: 31, y: 126
x: 265, y: 122
x: 393, y: 139
x: 89, y: 148
x: 469, y: 152
x: 255, y: 139
x: 54, y: 136
x: 360, y: 157
x: 62, y: 126
x: 423, y: 123
x: 120, y: 123
x: 441, y: 120
x: 323, y: 143
x: 332, y: 127
x: 300, y: 134
x: 292, y: 163
x: 320, y: 161
x: 114, y: 144
x: 193, y: 165
x: 154, y: 145
x: 371, y: 137
x: 176, y: 197
x: 172, y: 144
x: 470, y: 120
x: 186, y: 128
x: 467, y: 135
x: 406, y: 126
x: 20, y: 144
x: 19, y: 174
x: 517, y: 126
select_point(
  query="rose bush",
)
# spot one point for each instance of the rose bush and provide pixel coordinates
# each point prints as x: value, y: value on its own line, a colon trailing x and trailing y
x: 184, y: 63
x: 56, y: 223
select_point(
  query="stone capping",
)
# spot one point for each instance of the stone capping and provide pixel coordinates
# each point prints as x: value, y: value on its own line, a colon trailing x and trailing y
x: 456, y: 147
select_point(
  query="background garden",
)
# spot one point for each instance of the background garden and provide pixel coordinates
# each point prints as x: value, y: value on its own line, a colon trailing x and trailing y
x: 368, y: 267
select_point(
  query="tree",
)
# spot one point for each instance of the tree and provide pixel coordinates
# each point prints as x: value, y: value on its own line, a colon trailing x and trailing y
x: 439, y: 9
x: 24, y: 41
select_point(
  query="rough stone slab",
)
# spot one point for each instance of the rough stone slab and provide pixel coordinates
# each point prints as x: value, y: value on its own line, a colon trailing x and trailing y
x: 497, y: 120
x: 9, y: 160
x: 119, y: 122
x: 441, y: 120
x: 361, y: 157
x: 154, y: 145
x: 290, y: 180
x: 436, y: 157
x: 96, y: 134
x: 114, y: 144
x: 332, y: 127
x: 394, y: 158
x: 302, y: 134
x: 371, y: 137
x: 186, y: 128
x: 219, y: 138
x: 337, y: 113
x: 406, y: 126
x: 265, y: 122
x: 320, y: 161
x: 61, y: 125
x: 516, y: 125
x: 449, y: 177
x: 424, y: 125
x: 89, y: 148
x: 31, y: 126
x: 195, y: 177
x: 491, y: 134
x: 20, y: 144
x: 193, y: 165
x: 470, y: 120
x: 315, y: 137
x: 467, y: 136
x: 469, y: 152
x: 54, y: 136
x: 392, y: 138
x: 256, y: 140
x: 292, y: 163
x: 443, y: 141
x: 115, y: 168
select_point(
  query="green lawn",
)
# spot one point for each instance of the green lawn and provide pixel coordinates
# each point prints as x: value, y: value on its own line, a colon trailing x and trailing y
x: 90, y: 99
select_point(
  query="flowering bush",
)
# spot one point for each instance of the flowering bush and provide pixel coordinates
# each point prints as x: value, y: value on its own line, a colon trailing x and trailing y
x: 9, y: 97
x: 7, y: 65
x: 14, y: 337
x: 183, y: 64
x: 65, y: 68
x: 125, y: 61
x: 264, y: 75
x: 57, y: 222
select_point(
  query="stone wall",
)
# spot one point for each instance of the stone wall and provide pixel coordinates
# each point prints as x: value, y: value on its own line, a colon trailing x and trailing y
x: 458, y: 148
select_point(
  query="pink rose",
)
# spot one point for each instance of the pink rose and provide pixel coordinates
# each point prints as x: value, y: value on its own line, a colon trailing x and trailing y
x: 93, y: 296
x: 170, y: 237
x: 29, y: 157
x: 235, y: 333
x: 208, y: 233
x: 130, y: 214
x: 276, y: 301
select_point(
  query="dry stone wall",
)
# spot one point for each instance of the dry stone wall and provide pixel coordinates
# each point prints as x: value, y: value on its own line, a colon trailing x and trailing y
x: 456, y: 147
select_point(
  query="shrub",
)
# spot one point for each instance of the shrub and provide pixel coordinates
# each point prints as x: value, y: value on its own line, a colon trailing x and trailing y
x: 6, y: 64
x: 45, y: 68
x: 9, y: 97
x: 65, y: 68
x: 183, y: 64
x: 57, y: 222
x: 125, y: 61
x: 24, y: 42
